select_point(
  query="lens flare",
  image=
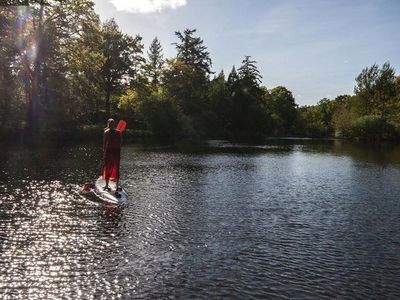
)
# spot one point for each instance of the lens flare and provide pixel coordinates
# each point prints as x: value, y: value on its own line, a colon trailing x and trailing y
x: 25, y: 34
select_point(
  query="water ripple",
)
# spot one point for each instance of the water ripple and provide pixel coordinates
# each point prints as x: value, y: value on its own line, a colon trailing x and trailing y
x: 285, y: 224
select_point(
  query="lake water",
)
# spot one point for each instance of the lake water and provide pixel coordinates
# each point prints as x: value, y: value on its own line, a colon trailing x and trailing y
x: 289, y: 219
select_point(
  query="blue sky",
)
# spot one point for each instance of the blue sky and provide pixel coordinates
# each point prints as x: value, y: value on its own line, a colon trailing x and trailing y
x: 313, y: 47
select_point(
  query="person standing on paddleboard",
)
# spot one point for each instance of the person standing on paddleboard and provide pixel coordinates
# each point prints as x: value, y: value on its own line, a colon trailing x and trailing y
x: 112, y: 140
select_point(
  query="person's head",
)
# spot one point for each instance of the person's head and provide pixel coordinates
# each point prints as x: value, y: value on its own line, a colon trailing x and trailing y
x: 111, y: 124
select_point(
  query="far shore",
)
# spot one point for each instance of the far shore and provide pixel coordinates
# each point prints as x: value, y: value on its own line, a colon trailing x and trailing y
x: 93, y: 134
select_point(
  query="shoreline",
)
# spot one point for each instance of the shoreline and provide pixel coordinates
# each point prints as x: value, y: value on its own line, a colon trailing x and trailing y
x: 93, y: 135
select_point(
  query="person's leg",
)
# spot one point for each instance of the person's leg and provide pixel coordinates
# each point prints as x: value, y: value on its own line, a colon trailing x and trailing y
x: 107, y: 178
x: 117, y: 173
x: 116, y: 187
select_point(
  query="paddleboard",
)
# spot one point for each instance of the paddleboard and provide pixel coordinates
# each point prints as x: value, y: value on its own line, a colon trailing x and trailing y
x: 111, y: 196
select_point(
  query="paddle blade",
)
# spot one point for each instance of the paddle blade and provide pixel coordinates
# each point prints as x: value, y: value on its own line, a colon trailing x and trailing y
x: 121, y: 125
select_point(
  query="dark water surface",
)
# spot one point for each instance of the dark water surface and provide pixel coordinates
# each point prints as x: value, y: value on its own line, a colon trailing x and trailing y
x: 291, y: 220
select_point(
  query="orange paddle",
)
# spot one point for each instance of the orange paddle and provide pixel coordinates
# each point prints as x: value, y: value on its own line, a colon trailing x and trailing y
x: 121, y: 125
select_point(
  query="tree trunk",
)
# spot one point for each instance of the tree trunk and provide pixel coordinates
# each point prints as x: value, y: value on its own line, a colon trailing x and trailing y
x: 96, y: 117
x: 108, y: 94
x: 32, y: 109
x: 35, y: 74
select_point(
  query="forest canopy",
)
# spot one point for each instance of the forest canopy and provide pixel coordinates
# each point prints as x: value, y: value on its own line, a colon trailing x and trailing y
x: 62, y: 69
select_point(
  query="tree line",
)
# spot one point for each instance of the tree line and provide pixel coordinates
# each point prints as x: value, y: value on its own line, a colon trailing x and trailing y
x: 61, y: 68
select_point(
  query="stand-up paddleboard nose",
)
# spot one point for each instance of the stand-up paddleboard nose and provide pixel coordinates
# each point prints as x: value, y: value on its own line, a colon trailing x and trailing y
x: 87, y: 187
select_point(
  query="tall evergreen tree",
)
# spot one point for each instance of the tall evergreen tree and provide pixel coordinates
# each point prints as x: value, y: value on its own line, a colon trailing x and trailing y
x: 134, y: 47
x: 155, y: 61
x: 191, y: 51
x: 233, y: 79
x: 249, y: 73
x: 248, y: 113
x: 187, y: 76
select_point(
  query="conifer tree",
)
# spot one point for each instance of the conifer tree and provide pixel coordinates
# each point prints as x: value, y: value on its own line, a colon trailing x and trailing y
x: 187, y: 76
x: 233, y: 78
x: 249, y: 73
x: 155, y: 61
x: 191, y: 51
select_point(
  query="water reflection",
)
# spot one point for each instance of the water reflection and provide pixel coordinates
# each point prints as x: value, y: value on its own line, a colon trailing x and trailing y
x: 301, y: 219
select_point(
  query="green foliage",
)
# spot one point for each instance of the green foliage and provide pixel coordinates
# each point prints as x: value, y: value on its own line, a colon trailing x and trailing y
x: 373, y: 112
x: 8, y: 87
x: 250, y: 117
x: 85, y: 61
x: 322, y: 119
x: 372, y: 127
x: 122, y: 62
x: 48, y: 74
x: 162, y: 117
x: 130, y: 100
x: 185, y: 86
x: 312, y: 121
x: 218, y: 119
x: 153, y: 111
x: 376, y: 88
x: 284, y: 110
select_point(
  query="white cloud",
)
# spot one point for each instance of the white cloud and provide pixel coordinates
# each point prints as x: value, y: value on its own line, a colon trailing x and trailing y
x: 147, y: 6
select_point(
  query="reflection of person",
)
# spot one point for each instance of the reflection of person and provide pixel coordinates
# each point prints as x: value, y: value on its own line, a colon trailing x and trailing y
x: 111, y: 153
